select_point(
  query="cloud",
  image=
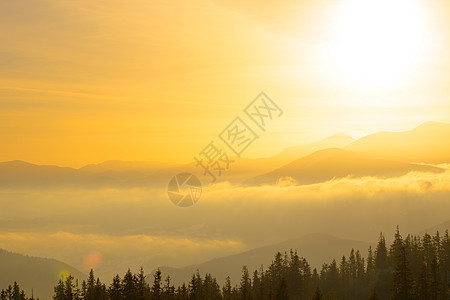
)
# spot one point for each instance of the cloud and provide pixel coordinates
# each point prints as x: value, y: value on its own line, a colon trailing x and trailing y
x: 129, y: 228
x: 109, y: 254
x: 286, y: 187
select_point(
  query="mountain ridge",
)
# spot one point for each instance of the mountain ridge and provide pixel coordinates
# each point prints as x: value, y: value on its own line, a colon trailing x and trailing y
x: 30, y: 272
x: 426, y: 143
x: 422, y: 144
x: 328, y: 164
x: 317, y: 248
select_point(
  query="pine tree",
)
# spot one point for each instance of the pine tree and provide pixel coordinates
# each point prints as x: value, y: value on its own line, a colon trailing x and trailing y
x: 168, y: 290
x: 383, y: 271
x: 156, y: 288
x: 428, y: 251
x: 444, y: 264
x: 22, y: 296
x: 211, y: 289
x: 3, y: 295
x: 59, y: 291
x: 90, y: 293
x: 415, y: 255
x: 245, y: 287
x: 294, y: 276
x: 315, y: 278
x: 317, y: 295
x: 381, y: 259
x: 142, y: 288
x: 196, y: 287
x: 403, y: 284
x: 77, y: 291
x: 256, y: 286
x: 129, y: 290
x: 69, y: 292
x: 115, y: 289
x: 8, y: 292
x: 235, y: 293
x: 423, y: 284
x: 395, y: 248
x: 84, y: 290
x: 183, y: 293
x: 16, y: 292
x: 360, y: 267
x: 370, y: 264
x: 100, y: 290
x: 281, y: 292
x: 331, y: 280
x: 227, y: 289
x: 344, y: 278
x: 435, y: 279
x: 307, y: 285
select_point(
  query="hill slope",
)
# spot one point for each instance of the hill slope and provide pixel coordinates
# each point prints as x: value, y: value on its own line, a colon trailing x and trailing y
x: 440, y: 227
x: 327, y: 164
x: 316, y: 248
x: 385, y: 154
x: 115, y: 174
x: 289, y: 154
x: 244, y: 168
x: 427, y: 143
x: 123, y: 174
x: 39, y: 274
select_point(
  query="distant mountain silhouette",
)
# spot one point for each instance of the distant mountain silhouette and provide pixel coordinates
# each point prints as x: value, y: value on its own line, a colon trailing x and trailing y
x: 381, y: 154
x: 339, y: 140
x: 124, y: 174
x: 440, y: 227
x: 128, y: 166
x: 244, y: 168
x: 327, y: 164
x: 316, y: 248
x: 427, y: 143
x: 23, y: 174
x: 39, y: 274
x: 109, y: 174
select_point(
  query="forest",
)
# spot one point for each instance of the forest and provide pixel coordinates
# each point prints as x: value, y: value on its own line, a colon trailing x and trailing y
x: 414, y: 267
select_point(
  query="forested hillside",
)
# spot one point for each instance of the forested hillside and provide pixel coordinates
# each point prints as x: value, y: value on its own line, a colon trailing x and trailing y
x: 414, y: 267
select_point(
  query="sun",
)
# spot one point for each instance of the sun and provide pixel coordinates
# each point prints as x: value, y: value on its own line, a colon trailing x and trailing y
x: 377, y: 41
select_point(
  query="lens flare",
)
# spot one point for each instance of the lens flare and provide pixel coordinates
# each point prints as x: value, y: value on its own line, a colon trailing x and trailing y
x: 92, y: 260
x: 63, y: 275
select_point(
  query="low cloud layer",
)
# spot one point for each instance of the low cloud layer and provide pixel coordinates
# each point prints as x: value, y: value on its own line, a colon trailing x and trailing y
x: 111, y: 254
x: 112, y: 230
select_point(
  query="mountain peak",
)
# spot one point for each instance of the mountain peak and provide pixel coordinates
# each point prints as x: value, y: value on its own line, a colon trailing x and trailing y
x: 429, y: 125
x: 340, y: 135
x: 427, y: 143
x: 16, y: 163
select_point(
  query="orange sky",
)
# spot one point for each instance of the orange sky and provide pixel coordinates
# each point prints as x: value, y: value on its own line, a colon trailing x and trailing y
x: 88, y: 81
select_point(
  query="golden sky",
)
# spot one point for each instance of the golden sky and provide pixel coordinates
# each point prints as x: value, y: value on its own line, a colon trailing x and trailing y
x: 87, y: 81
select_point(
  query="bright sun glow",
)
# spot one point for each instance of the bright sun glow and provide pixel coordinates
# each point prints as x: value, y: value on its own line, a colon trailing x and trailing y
x: 377, y: 42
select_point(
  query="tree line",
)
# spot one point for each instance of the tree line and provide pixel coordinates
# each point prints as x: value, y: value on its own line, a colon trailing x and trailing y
x: 411, y: 268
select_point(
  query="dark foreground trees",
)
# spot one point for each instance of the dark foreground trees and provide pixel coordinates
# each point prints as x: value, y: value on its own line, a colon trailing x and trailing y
x: 411, y: 268
x: 13, y: 292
